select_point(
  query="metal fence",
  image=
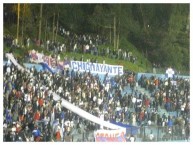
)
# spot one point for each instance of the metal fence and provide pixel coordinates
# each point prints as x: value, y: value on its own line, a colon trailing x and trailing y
x: 159, y: 133
x: 84, y: 137
x: 150, y: 133
x: 146, y: 134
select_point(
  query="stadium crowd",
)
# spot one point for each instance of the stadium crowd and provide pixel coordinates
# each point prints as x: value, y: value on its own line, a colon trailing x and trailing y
x: 31, y: 114
x: 72, y: 42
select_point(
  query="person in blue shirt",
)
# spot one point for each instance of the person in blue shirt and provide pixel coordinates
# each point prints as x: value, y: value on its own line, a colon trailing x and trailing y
x: 8, y: 117
x: 170, y: 123
x: 37, y: 134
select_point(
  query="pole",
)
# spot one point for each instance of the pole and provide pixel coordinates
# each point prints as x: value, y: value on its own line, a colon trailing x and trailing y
x: 53, y: 27
x: 118, y: 35
x: 110, y: 34
x: 40, y: 24
x: 23, y: 23
x: 57, y: 28
x: 158, y: 133
x: 46, y: 32
x: 118, y: 40
x: 114, y: 32
x: 18, y: 14
x: 144, y: 136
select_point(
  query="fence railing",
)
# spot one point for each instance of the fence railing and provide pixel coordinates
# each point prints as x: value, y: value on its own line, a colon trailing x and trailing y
x: 160, y: 133
x: 146, y: 134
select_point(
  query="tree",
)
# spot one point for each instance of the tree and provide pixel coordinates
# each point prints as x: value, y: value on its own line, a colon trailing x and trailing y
x: 172, y: 45
x: 153, y: 29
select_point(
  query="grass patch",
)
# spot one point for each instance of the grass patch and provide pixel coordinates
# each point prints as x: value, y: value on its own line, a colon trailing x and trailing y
x: 141, y: 65
x: 126, y: 64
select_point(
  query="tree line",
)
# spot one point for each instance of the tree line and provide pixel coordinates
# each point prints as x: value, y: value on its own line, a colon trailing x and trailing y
x: 159, y: 31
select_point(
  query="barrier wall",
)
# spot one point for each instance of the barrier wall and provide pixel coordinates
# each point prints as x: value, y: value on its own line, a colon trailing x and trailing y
x: 38, y: 67
x: 162, y: 76
x: 148, y: 75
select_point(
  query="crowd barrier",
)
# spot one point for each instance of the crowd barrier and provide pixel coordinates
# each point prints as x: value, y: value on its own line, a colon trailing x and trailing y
x: 160, y: 134
x: 161, y: 76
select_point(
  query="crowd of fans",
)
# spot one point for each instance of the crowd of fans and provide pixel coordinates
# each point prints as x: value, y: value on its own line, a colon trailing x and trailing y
x: 84, y: 44
x: 26, y: 104
x: 173, y: 95
x: 31, y: 114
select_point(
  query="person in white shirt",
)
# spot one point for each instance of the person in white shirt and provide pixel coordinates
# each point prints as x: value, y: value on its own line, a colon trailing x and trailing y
x: 132, y: 138
x: 151, y: 136
x: 134, y: 101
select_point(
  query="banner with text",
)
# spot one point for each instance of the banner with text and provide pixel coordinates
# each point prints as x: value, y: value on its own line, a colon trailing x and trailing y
x: 118, y: 135
x: 96, y: 68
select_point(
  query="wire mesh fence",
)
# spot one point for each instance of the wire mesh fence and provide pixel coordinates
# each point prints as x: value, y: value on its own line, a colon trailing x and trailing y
x: 146, y: 134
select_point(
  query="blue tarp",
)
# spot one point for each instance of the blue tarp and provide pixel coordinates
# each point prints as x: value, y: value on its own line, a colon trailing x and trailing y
x: 129, y: 128
x: 38, y: 67
x: 45, y: 66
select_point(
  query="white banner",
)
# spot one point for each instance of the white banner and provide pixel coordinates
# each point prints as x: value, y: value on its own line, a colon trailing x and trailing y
x: 110, y: 135
x: 11, y: 57
x: 96, y: 68
x: 85, y: 114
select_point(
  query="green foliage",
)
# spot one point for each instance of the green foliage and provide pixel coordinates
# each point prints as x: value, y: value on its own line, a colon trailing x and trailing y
x: 176, y: 42
x: 153, y: 32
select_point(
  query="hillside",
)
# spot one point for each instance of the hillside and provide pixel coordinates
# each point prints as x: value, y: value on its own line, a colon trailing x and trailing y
x: 141, y: 65
x: 155, y: 34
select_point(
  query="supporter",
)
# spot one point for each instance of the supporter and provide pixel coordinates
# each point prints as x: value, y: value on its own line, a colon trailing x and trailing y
x: 74, y: 43
x: 151, y: 136
x: 132, y: 138
x: 37, y: 134
x: 25, y: 92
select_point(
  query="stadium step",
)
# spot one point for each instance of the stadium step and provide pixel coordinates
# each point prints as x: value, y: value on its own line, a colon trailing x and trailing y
x: 161, y: 110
